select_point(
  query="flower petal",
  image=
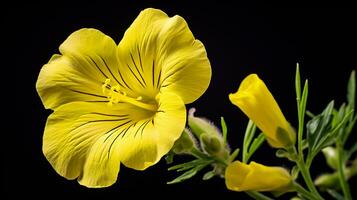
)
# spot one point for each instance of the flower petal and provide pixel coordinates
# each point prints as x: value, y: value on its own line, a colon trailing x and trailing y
x: 88, y: 58
x: 72, y: 129
x: 139, y: 145
x: 89, y: 140
x: 161, y: 53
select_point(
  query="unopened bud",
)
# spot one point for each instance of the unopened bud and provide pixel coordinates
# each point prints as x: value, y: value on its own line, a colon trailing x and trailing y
x: 185, y: 143
x: 210, y: 143
x: 200, y: 125
x: 330, y: 154
x: 326, y: 181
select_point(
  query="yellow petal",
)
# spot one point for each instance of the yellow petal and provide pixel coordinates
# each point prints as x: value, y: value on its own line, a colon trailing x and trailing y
x: 159, y: 134
x: 161, y: 53
x: 88, y: 58
x: 256, y: 101
x: 139, y: 145
x: 89, y: 140
x: 72, y: 129
x: 242, y: 177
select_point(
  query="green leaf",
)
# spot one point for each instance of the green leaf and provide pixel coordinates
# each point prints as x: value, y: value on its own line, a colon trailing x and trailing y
x: 318, y: 129
x: 187, y: 175
x: 351, y: 90
x: 257, y: 142
x: 303, y: 101
x: 352, y: 150
x: 191, y: 168
x: 325, y: 128
x: 233, y: 155
x: 310, y: 114
x: 349, y: 128
x: 224, y: 130
x: 208, y: 175
x: 301, y: 115
x: 190, y: 164
x: 304, y: 144
x: 335, y: 194
x: 248, y: 137
x: 297, y: 83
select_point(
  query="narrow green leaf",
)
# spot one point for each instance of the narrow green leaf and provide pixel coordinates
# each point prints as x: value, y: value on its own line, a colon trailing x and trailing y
x: 257, y: 142
x: 352, y: 150
x: 208, y: 175
x: 187, y: 175
x: 339, y: 114
x: 248, y: 137
x: 333, y: 134
x: 318, y: 127
x: 335, y: 194
x: 304, y: 144
x: 305, y: 93
x: 348, y: 129
x: 224, y: 130
x: 297, y: 83
x: 301, y: 115
x: 325, y: 134
x: 351, y: 90
x: 310, y: 114
x: 233, y: 155
x: 190, y: 164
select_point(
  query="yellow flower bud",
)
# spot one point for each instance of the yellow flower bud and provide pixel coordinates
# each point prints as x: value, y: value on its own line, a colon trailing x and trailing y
x: 242, y: 177
x: 256, y: 101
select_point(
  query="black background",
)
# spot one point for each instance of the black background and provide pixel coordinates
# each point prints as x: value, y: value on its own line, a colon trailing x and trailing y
x: 239, y: 40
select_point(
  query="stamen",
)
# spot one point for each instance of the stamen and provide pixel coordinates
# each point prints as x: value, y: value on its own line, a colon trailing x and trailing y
x: 115, y: 95
x: 105, y: 85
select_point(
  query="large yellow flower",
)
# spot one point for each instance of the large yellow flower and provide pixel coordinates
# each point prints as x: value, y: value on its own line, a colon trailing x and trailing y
x: 242, y: 177
x: 255, y: 100
x: 120, y: 103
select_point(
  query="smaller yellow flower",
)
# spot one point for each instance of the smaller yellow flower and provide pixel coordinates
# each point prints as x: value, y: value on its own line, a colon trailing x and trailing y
x: 256, y: 101
x: 242, y: 177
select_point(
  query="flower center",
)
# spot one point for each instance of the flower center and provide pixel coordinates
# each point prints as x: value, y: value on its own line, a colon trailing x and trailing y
x: 115, y: 95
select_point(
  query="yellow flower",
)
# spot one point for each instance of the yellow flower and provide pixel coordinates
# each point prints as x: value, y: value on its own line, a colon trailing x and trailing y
x: 256, y: 101
x: 242, y: 177
x: 120, y: 103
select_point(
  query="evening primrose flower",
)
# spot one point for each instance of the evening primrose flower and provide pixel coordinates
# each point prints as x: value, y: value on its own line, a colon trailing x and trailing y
x: 242, y: 177
x: 120, y: 103
x: 256, y: 101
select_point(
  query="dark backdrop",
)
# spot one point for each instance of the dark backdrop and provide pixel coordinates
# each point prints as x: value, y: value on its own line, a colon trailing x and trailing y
x: 239, y: 40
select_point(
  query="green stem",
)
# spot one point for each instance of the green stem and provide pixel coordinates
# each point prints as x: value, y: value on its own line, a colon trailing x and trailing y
x: 258, y: 195
x: 307, y: 177
x: 341, y: 173
x: 303, y: 191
